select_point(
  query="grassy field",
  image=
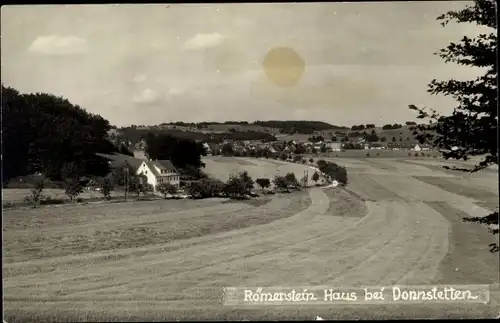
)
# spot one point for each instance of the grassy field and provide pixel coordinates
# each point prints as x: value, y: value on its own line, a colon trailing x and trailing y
x: 398, y: 222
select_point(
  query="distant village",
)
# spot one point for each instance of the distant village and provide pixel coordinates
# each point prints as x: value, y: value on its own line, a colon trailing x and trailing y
x: 284, y: 149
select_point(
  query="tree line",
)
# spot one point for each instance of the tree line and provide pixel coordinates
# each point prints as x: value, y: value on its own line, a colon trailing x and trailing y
x: 135, y: 135
x: 43, y: 133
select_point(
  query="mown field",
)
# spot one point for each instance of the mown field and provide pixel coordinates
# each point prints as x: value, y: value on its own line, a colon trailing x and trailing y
x: 398, y: 222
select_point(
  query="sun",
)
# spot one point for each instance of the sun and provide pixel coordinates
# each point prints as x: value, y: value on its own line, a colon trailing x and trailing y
x: 283, y: 66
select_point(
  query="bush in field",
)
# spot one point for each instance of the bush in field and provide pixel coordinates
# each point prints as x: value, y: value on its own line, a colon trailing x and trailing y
x: 247, y: 181
x: 311, y: 160
x: 291, y: 180
x: 428, y: 155
x: 206, y: 187
x: 367, y: 154
x: 378, y: 154
x: 321, y: 163
x: 434, y: 156
x: 297, y: 158
x: 73, y: 188
x: 166, y: 188
x: 315, y: 177
x: 35, y: 196
x: 235, y: 187
x: 409, y: 154
x: 263, y: 183
x: 139, y: 184
x: 280, y: 183
x: 416, y: 155
x: 334, y: 171
x: 106, y: 186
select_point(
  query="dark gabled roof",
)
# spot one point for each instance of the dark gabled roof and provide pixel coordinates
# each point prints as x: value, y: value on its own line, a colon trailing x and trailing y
x: 119, y: 160
x: 167, y: 164
x: 161, y: 164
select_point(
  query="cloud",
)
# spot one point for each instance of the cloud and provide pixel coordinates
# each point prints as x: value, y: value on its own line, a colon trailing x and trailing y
x: 201, y: 41
x: 176, y: 91
x: 139, y: 78
x: 147, y: 96
x: 58, y: 45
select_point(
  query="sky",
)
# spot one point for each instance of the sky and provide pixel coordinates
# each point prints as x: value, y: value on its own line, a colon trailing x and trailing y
x: 343, y: 63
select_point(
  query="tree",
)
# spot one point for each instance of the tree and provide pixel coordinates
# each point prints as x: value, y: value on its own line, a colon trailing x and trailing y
x: 181, y: 152
x: 247, y: 182
x: 471, y: 130
x: 334, y: 139
x: 394, y: 139
x: 299, y: 150
x: 280, y: 182
x: 291, y: 180
x: 263, y: 183
x: 372, y: 137
x: 125, y: 151
x: 383, y: 139
x: 206, y: 187
x: 35, y: 196
x: 315, y: 177
x: 166, y: 188
x: 235, y: 187
x: 106, y: 187
x: 42, y: 132
x: 333, y: 171
x: 227, y: 150
x: 73, y: 188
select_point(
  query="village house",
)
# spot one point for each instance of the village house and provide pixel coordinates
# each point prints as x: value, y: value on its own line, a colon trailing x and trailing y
x: 159, y: 172
x: 156, y: 172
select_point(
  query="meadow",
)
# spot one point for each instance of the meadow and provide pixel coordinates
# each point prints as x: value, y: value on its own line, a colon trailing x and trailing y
x: 398, y: 221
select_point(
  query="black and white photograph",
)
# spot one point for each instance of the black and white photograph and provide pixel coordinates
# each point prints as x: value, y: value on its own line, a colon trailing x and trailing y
x: 250, y: 161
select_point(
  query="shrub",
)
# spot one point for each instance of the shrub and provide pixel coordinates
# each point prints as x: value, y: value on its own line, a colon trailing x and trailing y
x: 235, y: 187
x: 263, y: 183
x: 280, y: 183
x: 315, y: 177
x: 311, y: 160
x: 204, y: 188
x: 291, y: 180
x: 409, y: 154
x: 428, y: 155
x: 297, y: 158
x: 35, y: 194
x: 106, y: 186
x: 416, y: 155
x: 378, y: 154
x: 166, y: 188
x: 334, y: 171
x: 73, y: 188
x: 367, y: 154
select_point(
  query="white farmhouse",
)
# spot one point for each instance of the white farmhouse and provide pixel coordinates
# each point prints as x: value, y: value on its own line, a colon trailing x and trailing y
x: 159, y: 172
x: 417, y: 148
